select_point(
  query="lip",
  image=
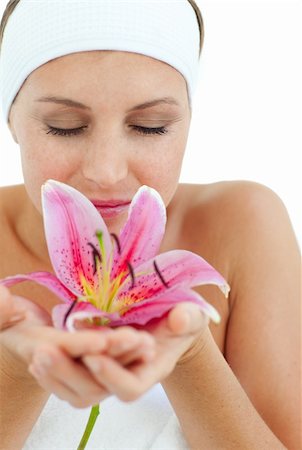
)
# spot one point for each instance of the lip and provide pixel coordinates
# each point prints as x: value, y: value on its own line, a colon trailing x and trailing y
x: 111, y: 208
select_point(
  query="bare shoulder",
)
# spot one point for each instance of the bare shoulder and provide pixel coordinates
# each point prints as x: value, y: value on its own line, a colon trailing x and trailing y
x: 11, y: 198
x: 230, y: 212
x: 235, y: 197
x: 237, y: 226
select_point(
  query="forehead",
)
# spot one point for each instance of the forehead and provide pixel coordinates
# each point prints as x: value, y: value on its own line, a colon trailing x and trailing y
x: 99, y: 69
x: 110, y: 81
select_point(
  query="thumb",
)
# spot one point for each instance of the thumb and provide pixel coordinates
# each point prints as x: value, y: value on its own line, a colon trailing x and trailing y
x: 187, y: 318
x: 9, y: 312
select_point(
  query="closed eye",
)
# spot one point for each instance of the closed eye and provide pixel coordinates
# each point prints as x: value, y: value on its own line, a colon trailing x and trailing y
x: 66, y: 132
x: 145, y: 130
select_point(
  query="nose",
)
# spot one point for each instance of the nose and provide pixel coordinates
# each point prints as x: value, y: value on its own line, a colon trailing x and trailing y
x: 105, y: 161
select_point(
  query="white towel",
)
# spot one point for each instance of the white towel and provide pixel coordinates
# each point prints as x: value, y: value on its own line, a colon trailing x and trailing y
x: 148, y: 423
x: 39, y: 31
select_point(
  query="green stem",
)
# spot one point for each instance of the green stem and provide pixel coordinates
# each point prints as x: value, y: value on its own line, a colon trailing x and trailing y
x: 95, y: 411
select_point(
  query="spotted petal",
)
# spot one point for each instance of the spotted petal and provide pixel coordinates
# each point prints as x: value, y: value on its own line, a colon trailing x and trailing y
x: 84, y: 315
x: 59, y: 313
x: 70, y: 222
x: 141, y: 313
x: 174, y: 268
x: 141, y: 235
x: 45, y: 279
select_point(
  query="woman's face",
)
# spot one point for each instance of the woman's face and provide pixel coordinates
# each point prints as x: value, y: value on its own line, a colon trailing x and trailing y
x: 105, y: 123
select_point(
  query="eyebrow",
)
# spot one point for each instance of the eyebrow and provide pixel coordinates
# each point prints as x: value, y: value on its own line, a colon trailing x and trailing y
x: 62, y: 101
x: 165, y: 100
x: 73, y: 103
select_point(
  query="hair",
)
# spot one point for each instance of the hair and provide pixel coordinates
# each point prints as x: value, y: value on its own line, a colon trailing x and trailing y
x: 10, y: 7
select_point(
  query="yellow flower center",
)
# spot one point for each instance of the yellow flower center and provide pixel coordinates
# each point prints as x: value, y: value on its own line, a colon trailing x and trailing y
x: 102, y: 292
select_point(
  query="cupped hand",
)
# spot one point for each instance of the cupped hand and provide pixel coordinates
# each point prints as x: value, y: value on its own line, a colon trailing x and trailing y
x: 65, y: 374
x: 128, y: 365
x: 34, y: 350
x: 175, y: 336
x: 17, y: 315
x: 87, y: 366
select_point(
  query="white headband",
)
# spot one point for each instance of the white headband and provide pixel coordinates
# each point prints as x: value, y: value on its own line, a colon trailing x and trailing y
x: 41, y: 30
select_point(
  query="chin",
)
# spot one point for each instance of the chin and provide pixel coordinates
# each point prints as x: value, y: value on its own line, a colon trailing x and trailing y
x: 115, y: 224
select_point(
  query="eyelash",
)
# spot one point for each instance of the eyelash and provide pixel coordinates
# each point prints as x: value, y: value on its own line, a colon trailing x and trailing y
x: 76, y: 131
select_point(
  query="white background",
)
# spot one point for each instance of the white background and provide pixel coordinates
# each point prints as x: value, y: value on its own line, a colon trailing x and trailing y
x: 247, y: 112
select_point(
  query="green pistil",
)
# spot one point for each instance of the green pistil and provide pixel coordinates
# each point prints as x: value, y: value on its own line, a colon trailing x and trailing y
x: 103, y: 274
x: 99, y: 235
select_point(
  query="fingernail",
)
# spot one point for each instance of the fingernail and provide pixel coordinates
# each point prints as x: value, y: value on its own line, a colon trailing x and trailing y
x: 36, y: 370
x: 95, y: 366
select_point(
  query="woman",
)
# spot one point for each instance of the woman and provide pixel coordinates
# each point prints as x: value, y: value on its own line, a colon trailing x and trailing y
x: 98, y: 96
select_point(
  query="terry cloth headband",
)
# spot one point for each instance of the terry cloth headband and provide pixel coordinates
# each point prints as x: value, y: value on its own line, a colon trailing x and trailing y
x: 41, y: 30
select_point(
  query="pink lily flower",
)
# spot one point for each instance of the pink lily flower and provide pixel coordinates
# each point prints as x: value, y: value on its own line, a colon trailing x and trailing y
x: 105, y: 280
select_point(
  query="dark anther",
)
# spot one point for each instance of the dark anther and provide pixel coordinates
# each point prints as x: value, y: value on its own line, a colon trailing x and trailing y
x: 131, y: 271
x: 160, y: 275
x: 116, y: 239
x: 95, y: 255
x: 69, y: 311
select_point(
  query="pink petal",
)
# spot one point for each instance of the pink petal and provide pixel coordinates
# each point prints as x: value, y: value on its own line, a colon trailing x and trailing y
x: 45, y: 279
x: 71, y: 222
x: 141, y: 313
x: 176, y: 268
x: 142, y: 234
x: 79, y: 319
x: 59, y: 313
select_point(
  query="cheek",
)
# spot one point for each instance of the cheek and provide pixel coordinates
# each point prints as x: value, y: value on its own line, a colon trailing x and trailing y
x: 45, y: 154
x: 42, y: 161
x: 160, y: 168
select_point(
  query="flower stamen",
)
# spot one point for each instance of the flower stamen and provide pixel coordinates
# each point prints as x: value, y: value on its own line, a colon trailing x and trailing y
x: 96, y: 257
x: 69, y: 311
x: 116, y: 240
x: 160, y: 275
x: 131, y: 272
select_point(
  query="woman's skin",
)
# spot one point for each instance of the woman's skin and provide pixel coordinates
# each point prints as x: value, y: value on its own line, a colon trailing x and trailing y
x: 235, y: 385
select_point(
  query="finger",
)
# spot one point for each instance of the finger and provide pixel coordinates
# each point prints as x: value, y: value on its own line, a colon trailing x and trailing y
x: 56, y: 371
x: 58, y: 388
x: 10, y: 314
x: 73, y: 344
x: 123, y: 383
x: 81, y: 342
x: 127, y: 345
x: 127, y: 341
x: 186, y: 318
x: 49, y: 384
x: 137, y: 355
